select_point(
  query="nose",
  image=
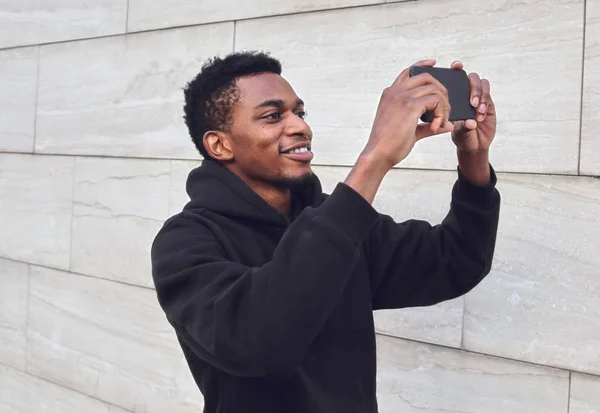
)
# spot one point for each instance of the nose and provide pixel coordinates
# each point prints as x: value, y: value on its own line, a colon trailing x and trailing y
x: 296, y: 126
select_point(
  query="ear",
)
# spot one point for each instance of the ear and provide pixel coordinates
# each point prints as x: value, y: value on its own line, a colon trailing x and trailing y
x: 218, y: 145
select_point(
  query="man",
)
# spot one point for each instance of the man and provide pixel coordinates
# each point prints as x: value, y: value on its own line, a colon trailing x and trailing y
x: 270, y: 284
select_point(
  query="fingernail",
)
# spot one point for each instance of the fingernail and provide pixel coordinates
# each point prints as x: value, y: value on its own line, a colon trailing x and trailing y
x: 475, y: 101
x: 480, y: 117
x: 482, y: 108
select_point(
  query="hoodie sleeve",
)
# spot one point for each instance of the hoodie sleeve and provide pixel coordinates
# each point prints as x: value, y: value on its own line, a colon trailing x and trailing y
x: 416, y: 264
x: 259, y: 321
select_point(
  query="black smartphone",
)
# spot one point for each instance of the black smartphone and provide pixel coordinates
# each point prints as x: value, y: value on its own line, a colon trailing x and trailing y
x: 459, y: 91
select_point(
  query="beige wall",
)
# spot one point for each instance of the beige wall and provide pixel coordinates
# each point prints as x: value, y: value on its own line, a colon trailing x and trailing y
x: 94, y: 156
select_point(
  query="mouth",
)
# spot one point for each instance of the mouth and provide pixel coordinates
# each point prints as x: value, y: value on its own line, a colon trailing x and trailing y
x: 304, y: 149
x: 299, y: 152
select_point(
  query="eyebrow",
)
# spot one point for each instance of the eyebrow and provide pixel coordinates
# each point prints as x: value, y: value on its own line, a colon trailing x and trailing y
x: 277, y: 103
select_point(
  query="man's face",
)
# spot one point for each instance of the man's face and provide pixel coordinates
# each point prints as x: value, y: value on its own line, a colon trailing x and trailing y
x: 271, y: 143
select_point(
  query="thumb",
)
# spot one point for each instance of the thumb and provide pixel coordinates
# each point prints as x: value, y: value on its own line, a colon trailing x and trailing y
x: 424, y: 130
x: 462, y: 128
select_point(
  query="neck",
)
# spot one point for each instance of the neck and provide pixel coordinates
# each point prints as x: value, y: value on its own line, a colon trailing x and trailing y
x: 278, y: 197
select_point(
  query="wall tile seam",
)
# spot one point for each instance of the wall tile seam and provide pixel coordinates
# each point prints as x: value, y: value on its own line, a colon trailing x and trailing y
x: 97, y: 156
x: 72, y: 213
x: 170, y: 187
x: 462, y: 326
x: 65, y: 387
x: 127, y: 18
x: 379, y: 3
x: 159, y: 29
x: 66, y: 271
x: 397, y: 168
x: 497, y: 357
x: 28, y: 317
x: 570, y: 391
x: 37, y: 93
x: 234, y: 36
x: 582, y: 91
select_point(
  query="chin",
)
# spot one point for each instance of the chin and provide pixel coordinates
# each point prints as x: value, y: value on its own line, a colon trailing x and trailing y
x: 299, y: 178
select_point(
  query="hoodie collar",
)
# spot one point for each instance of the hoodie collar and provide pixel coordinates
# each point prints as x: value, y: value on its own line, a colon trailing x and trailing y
x: 213, y: 187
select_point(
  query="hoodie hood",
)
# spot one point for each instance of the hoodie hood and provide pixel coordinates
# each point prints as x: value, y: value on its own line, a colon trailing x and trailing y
x: 213, y: 187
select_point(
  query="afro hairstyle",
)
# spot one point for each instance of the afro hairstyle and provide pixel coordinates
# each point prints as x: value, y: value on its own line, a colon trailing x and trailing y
x: 210, y: 96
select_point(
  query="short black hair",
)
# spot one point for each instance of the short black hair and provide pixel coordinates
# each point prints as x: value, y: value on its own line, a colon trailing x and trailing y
x: 210, y: 96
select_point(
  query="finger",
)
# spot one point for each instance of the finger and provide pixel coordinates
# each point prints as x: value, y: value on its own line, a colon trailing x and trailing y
x: 475, y: 82
x: 428, y: 89
x: 425, y: 62
x: 462, y: 128
x: 424, y: 130
x: 470, y: 124
x: 440, y: 107
x: 422, y: 80
x: 443, y: 109
x: 457, y: 65
x: 484, y: 101
x: 402, y: 77
x: 491, y: 107
x: 405, y: 74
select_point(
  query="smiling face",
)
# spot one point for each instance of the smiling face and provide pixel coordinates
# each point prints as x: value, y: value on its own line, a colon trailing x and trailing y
x: 269, y: 141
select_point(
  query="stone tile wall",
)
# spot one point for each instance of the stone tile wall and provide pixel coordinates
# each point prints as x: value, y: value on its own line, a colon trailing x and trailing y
x: 94, y: 155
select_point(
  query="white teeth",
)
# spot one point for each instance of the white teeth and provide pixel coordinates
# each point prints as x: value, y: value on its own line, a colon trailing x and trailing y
x: 299, y: 150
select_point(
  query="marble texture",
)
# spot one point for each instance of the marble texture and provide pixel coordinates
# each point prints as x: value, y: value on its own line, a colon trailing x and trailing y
x: 149, y: 14
x: 14, y: 293
x: 119, y: 206
x: 406, y: 195
x: 439, y: 324
x: 415, y: 377
x: 178, y: 196
x: 122, y: 96
x: 25, y: 22
x: 18, y: 83
x: 541, y: 303
x: 590, y: 138
x: 23, y: 393
x: 107, y: 340
x: 585, y: 394
x: 35, y: 208
x: 342, y: 64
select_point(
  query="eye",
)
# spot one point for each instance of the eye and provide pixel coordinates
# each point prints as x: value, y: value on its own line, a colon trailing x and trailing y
x: 301, y: 114
x: 273, y: 116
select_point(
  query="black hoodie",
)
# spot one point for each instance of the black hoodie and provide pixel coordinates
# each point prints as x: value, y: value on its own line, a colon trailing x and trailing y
x: 275, y: 315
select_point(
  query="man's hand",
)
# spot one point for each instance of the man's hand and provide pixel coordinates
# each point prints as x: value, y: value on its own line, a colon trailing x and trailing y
x: 473, y: 138
x: 396, y: 128
x: 476, y: 135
